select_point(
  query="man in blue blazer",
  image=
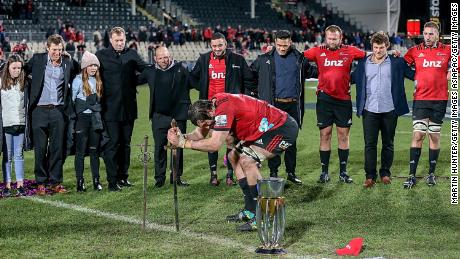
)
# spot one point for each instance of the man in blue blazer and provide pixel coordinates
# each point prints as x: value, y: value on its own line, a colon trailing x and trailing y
x: 380, y: 99
x: 50, y: 107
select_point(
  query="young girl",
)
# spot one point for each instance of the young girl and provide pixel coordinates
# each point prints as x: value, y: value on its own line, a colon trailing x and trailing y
x: 86, y: 94
x: 13, y: 122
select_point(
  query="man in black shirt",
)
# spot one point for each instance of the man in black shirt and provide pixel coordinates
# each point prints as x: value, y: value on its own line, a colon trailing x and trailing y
x: 169, y: 99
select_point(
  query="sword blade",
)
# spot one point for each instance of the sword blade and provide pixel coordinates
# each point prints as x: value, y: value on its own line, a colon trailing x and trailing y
x: 174, y: 168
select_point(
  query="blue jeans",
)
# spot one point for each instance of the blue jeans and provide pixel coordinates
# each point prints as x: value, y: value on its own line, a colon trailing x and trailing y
x: 13, y: 151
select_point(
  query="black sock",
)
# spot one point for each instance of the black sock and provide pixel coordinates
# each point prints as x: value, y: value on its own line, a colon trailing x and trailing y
x: 243, y: 182
x: 212, y: 159
x: 433, y: 155
x: 414, y: 157
x: 324, y: 158
x: 229, y: 166
x: 343, y: 159
x: 253, y: 198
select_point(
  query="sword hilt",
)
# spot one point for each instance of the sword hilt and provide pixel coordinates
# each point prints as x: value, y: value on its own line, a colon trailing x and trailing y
x: 173, y: 125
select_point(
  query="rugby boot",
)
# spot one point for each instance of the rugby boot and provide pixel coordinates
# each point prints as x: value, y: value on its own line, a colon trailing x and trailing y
x: 431, y: 180
x: 324, y: 178
x: 242, y: 216
x: 410, y: 182
x: 251, y: 225
x: 344, y: 177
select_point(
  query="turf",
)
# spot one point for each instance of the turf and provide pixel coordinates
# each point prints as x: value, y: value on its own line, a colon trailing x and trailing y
x: 395, y: 223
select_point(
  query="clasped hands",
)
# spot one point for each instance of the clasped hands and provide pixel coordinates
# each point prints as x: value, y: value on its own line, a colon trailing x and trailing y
x: 176, y: 138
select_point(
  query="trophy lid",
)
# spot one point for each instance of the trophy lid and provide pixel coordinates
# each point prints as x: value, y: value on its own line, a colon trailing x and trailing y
x: 271, y: 188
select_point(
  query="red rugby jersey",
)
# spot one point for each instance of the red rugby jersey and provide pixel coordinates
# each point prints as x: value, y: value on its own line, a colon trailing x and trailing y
x: 334, y: 68
x: 246, y: 117
x: 216, y: 75
x: 431, y: 67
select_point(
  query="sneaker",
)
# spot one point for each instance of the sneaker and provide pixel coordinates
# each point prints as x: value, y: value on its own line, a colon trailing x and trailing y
x: 274, y: 174
x: 324, y: 178
x: 214, y: 181
x: 6, y: 192
x: 431, y: 180
x: 344, y: 177
x: 410, y: 182
x: 251, y: 225
x: 242, y: 216
x: 21, y: 191
x: 229, y: 181
x: 293, y: 178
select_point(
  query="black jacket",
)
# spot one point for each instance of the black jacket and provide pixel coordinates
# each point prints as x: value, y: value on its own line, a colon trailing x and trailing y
x: 180, y: 85
x: 263, y: 69
x: 119, y: 78
x: 238, y: 77
x: 36, y: 67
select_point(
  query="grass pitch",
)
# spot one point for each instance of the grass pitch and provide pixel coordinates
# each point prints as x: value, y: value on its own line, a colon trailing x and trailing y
x: 395, y: 223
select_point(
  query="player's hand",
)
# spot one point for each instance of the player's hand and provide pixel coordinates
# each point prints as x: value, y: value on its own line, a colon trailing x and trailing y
x: 66, y: 54
x: 269, y: 48
x: 397, y: 53
x: 173, y: 138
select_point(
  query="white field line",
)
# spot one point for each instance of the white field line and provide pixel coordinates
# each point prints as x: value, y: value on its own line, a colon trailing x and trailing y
x: 221, y: 241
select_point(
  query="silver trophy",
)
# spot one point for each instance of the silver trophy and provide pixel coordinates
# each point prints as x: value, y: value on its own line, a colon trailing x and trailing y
x: 270, y: 215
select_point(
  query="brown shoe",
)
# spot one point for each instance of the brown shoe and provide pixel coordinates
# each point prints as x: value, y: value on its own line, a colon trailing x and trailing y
x: 386, y: 180
x: 369, y: 183
x: 41, y: 190
x: 59, y: 188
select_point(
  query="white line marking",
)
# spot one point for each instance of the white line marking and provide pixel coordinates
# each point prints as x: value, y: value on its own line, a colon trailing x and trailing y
x: 208, y: 238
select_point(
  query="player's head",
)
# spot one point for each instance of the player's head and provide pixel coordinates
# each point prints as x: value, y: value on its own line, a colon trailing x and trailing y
x: 333, y: 37
x: 200, y: 113
x: 380, y: 44
x: 218, y: 44
x: 430, y: 33
x: 282, y: 42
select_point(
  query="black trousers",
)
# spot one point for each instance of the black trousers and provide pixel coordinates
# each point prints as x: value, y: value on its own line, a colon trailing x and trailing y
x: 372, y: 124
x: 160, y: 126
x: 48, y: 129
x: 86, y: 139
x: 117, y: 153
x: 290, y: 155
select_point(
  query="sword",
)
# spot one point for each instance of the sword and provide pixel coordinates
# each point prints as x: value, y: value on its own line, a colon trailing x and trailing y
x: 174, y: 167
x: 145, y: 160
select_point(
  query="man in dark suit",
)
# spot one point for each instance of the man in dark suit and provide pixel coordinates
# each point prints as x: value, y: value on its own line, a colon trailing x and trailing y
x: 169, y: 99
x: 119, y: 106
x: 380, y: 99
x: 49, y: 107
x: 281, y: 74
x: 217, y: 71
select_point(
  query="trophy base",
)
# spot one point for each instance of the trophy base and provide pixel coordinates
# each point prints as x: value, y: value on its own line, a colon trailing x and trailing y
x: 270, y: 251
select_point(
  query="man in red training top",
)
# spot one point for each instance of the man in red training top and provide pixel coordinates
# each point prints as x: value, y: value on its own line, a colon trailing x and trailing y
x: 263, y: 132
x: 333, y: 104
x: 217, y: 71
x: 431, y: 61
